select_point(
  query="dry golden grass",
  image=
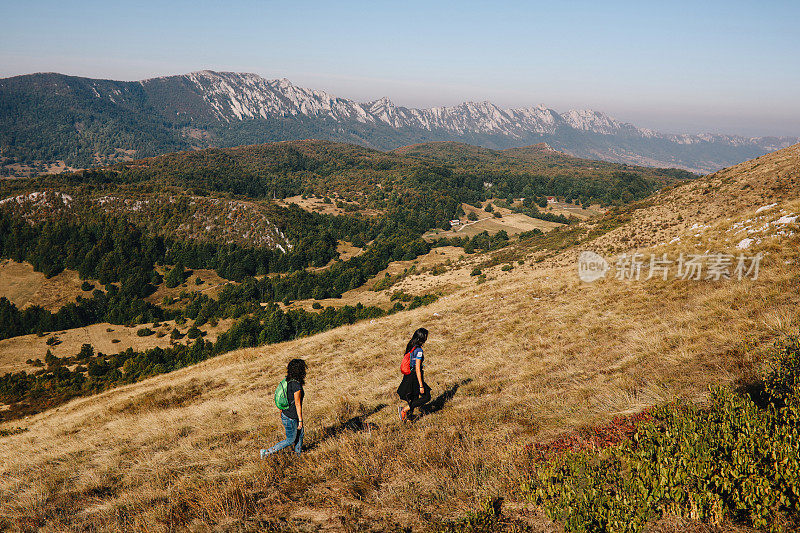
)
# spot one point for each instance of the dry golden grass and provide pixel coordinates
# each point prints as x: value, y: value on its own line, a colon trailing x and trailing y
x: 16, y: 350
x: 346, y: 251
x: 318, y: 205
x: 24, y: 287
x: 562, y: 208
x: 512, y: 223
x: 522, y: 357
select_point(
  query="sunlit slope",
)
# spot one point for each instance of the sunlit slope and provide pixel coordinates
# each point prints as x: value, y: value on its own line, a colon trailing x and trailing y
x: 528, y: 354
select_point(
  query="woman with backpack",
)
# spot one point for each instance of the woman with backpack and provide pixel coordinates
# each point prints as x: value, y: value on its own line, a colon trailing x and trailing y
x: 292, y: 415
x: 413, y: 388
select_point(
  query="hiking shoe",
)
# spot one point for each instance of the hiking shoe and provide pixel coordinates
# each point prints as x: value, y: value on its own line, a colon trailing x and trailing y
x: 401, y: 414
x: 263, y: 453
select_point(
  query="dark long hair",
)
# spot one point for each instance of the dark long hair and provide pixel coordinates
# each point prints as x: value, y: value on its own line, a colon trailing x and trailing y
x: 296, y: 370
x: 417, y: 339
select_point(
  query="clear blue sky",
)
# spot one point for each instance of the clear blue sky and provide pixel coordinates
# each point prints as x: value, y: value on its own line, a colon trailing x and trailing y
x: 677, y: 66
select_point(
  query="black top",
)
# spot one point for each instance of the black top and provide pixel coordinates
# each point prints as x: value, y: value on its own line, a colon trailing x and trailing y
x: 292, y: 387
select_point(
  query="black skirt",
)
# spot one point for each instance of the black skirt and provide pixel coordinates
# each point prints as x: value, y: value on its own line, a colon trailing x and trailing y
x: 409, y: 387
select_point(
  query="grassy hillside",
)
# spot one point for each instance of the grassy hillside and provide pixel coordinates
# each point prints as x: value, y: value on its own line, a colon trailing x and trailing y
x: 520, y: 355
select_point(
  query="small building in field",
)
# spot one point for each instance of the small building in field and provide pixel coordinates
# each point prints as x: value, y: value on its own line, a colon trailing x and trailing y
x: 551, y: 199
x: 454, y: 223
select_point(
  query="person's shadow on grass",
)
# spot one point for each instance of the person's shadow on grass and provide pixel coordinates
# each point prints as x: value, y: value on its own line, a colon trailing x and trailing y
x: 359, y: 423
x: 354, y: 424
x: 437, y: 404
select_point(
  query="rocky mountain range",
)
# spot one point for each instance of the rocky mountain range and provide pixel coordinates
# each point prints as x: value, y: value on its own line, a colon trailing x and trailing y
x: 84, y: 122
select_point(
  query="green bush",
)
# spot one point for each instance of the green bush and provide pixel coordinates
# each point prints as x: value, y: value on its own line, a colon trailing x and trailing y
x: 506, y: 268
x: 734, y: 460
x: 475, y: 272
x: 402, y: 296
x: 144, y: 332
x: 419, y: 301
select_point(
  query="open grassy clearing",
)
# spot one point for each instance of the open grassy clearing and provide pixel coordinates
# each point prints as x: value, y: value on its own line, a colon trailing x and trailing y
x: 346, y: 251
x: 318, y: 205
x: 16, y: 350
x: 210, y: 284
x: 512, y: 223
x: 517, y: 359
x: 25, y: 287
x: 563, y: 208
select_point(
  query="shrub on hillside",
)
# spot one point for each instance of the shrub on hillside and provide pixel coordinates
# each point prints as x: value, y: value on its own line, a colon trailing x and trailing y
x: 734, y: 460
x: 144, y: 332
x: 419, y: 301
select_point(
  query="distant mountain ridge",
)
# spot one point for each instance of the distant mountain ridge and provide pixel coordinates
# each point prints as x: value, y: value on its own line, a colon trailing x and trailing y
x: 88, y: 121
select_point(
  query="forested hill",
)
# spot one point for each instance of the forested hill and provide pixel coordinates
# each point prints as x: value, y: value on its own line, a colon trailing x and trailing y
x: 439, y: 175
x: 538, y: 158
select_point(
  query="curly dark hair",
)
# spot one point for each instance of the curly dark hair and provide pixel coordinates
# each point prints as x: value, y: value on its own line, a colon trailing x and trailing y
x: 296, y: 370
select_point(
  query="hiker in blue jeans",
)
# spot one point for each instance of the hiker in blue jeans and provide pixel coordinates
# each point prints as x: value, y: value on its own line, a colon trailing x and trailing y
x: 292, y: 416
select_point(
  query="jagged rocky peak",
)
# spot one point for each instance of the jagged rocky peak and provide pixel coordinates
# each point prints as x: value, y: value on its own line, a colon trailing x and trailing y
x: 230, y: 98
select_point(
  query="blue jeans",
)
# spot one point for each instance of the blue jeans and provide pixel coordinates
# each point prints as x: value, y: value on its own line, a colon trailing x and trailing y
x: 293, y: 437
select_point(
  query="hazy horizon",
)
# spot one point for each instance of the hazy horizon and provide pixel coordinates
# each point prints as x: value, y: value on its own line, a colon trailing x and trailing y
x: 723, y: 67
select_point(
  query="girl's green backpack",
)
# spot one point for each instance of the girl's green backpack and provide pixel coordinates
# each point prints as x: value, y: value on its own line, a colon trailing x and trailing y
x: 281, y: 401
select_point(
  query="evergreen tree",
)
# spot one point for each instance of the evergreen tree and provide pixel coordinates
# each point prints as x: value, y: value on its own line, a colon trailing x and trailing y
x: 175, y: 276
